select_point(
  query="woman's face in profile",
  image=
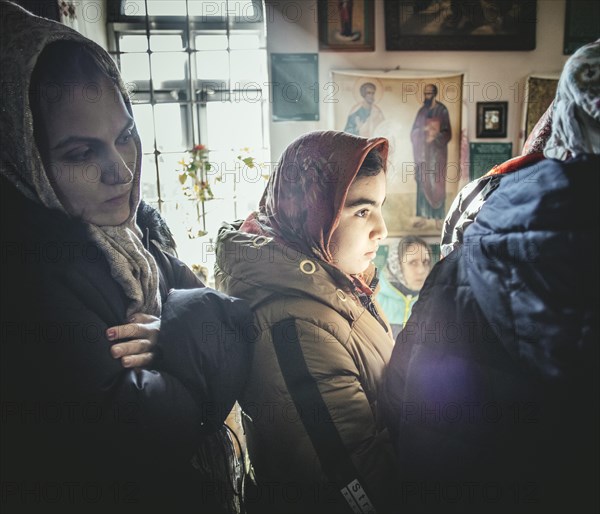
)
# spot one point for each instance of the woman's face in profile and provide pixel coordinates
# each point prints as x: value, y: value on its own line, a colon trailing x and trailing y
x: 361, y: 226
x: 91, y: 153
x: 416, y: 265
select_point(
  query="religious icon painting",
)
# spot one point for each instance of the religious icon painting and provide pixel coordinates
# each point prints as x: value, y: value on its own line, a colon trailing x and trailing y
x: 346, y: 25
x: 422, y: 116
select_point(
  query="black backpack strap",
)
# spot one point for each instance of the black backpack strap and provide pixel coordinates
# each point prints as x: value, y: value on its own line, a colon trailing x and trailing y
x: 316, y: 418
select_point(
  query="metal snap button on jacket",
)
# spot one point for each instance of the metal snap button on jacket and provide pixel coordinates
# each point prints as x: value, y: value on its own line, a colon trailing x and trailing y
x: 260, y: 241
x: 307, y: 267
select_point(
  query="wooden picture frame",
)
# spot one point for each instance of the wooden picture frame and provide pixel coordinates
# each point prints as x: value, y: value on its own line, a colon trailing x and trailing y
x: 582, y: 24
x: 491, y: 119
x: 346, y: 25
x: 484, y: 26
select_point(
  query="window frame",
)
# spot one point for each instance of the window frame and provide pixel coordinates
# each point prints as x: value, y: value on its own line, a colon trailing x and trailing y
x: 115, y: 14
x: 197, y: 92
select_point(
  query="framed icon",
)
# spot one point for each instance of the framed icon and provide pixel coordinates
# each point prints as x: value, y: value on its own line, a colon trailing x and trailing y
x: 346, y: 25
x: 460, y: 25
x: 491, y: 119
x: 582, y: 24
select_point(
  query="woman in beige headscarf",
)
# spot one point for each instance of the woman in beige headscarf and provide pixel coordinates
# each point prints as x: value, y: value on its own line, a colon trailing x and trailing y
x: 86, y: 304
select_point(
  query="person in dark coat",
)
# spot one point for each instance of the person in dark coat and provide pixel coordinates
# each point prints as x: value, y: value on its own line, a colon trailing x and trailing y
x: 113, y: 353
x: 492, y: 389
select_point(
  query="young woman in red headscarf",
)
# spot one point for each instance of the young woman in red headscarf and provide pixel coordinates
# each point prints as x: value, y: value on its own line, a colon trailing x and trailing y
x: 304, y: 263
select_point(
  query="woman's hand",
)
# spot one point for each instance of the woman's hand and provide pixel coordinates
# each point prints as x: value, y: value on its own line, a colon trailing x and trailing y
x: 135, y: 341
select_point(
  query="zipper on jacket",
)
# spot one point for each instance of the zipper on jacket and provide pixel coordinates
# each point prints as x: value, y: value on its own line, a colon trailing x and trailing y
x: 367, y: 301
x: 368, y: 304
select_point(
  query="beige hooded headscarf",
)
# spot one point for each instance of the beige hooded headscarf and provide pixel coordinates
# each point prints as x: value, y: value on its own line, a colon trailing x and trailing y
x: 23, y: 37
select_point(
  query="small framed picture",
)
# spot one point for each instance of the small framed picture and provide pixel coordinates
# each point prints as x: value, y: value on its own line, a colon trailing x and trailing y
x: 491, y: 119
x: 346, y: 25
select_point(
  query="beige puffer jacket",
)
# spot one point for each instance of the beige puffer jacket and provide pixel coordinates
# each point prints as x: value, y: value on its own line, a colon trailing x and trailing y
x: 343, y: 349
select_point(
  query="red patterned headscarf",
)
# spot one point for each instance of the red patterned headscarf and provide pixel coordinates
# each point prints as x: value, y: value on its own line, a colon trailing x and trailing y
x: 304, y: 197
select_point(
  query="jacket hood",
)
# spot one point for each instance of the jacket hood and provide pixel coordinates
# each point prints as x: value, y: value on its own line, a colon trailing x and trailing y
x: 303, y: 199
x: 260, y: 269
x: 531, y: 260
x: 23, y: 37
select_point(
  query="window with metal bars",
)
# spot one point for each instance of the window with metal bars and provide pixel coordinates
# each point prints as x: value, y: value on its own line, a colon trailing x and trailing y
x: 198, y: 73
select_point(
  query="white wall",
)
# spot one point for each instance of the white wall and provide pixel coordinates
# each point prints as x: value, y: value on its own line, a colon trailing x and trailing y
x: 292, y: 27
x: 93, y: 14
x: 91, y: 20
